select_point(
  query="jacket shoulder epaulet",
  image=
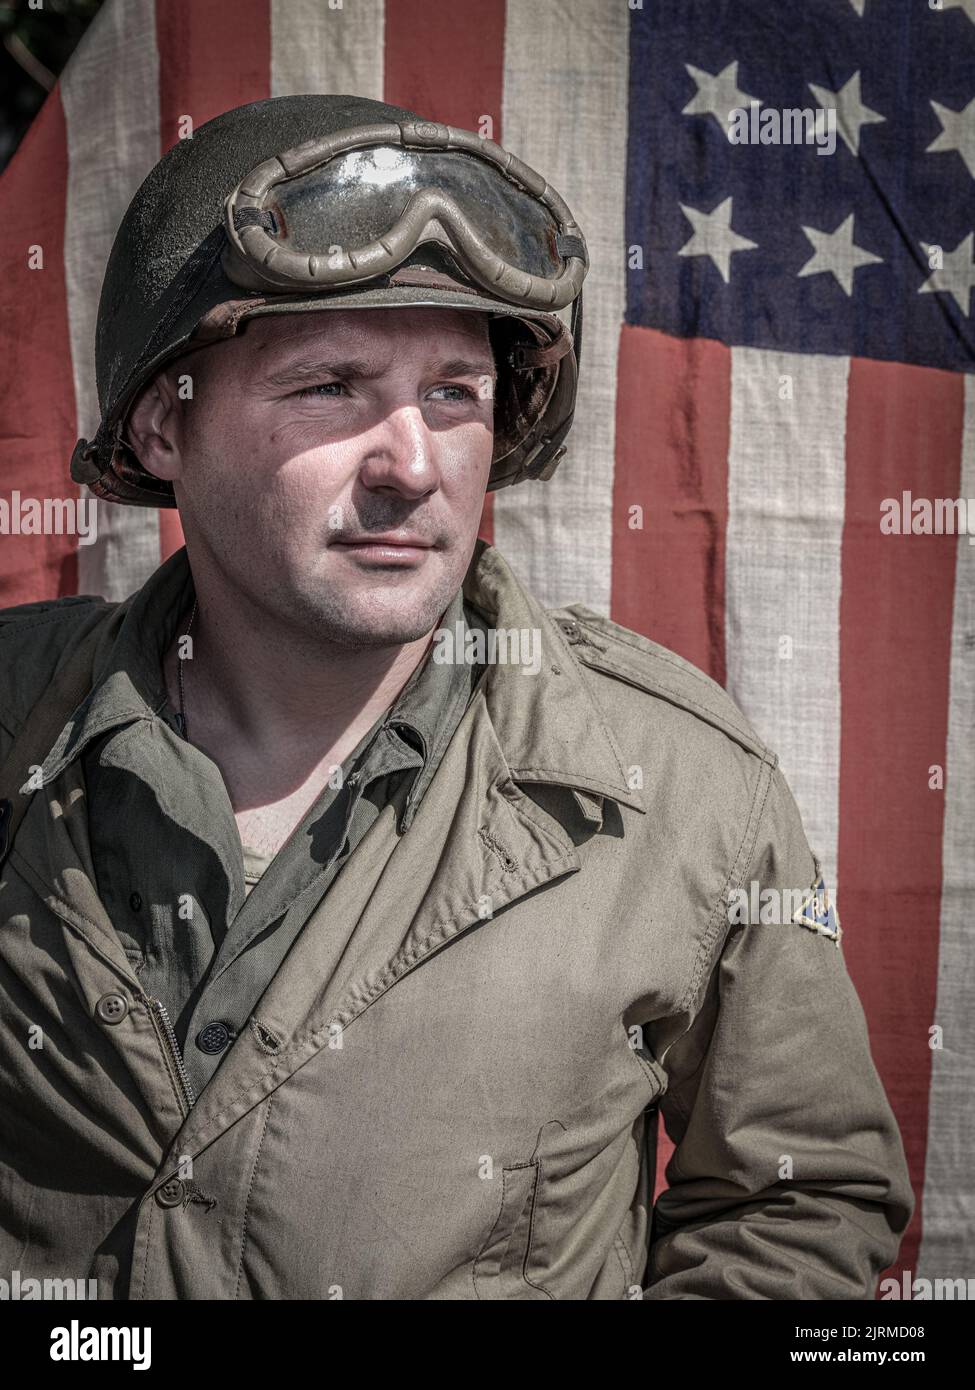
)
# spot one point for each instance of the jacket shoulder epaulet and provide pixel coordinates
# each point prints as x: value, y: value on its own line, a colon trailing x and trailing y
x: 618, y: 651
x: 36, y: 641
x: 50, y: 608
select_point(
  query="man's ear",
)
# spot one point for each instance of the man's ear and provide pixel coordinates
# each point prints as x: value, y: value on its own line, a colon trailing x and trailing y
x: 155, y: 429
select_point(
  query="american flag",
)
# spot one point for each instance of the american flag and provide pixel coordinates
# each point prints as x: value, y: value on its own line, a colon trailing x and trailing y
x: 775, y: 342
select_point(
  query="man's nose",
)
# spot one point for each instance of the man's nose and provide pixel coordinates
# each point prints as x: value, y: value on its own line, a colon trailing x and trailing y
x: 402, y: 454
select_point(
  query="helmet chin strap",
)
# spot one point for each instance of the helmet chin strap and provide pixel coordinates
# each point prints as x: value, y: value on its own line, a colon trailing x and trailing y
x: 577, y: 328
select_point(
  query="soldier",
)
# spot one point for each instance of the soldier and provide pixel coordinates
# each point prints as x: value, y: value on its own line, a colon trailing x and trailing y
x: 328, y: 967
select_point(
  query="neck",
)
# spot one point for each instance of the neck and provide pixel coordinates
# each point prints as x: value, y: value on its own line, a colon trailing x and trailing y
x: 272, y: 708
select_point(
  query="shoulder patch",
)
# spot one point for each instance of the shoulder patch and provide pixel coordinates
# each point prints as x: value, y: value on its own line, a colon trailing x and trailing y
x: 618, y: 651
x: 817, y: 912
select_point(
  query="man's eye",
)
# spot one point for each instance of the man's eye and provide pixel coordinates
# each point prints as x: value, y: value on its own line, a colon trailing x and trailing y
x: 321, y: 388
x: 466, y: 394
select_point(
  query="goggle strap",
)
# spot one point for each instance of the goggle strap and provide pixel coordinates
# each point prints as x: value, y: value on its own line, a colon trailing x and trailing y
x: 255, y: 217
x: 527, y: 359
x: 568, y: 245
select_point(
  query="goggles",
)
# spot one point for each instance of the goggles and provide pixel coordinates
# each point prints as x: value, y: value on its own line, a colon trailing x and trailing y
x: 355, y: 205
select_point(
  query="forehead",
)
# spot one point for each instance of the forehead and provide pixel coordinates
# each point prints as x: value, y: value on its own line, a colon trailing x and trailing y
x: 412, y: 327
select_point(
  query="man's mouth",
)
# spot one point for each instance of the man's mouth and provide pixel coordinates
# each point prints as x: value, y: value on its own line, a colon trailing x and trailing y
x: 396, y: 540
x: 392, y: 547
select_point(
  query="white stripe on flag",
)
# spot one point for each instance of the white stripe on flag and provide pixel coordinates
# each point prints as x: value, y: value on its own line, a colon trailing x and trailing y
x: 948, y: 1211
x: 315, y: 48
x: 110, y: 93
x: 786, y: 482
x: 564, y: 113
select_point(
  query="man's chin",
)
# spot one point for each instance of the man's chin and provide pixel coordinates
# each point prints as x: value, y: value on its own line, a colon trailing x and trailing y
x: 382, y: 621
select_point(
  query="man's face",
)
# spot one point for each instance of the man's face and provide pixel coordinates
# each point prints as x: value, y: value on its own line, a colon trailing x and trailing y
x: 312, y: 433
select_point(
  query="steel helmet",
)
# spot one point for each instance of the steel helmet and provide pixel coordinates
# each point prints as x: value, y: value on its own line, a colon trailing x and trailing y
x: 316, y: 202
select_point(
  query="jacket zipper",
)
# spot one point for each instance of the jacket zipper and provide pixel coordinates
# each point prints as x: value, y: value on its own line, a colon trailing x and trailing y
x: 158, y: 1011
x: 159, y: 1015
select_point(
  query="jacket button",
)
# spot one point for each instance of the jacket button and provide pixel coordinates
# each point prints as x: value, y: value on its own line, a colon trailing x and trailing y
x: 170, y: 1194
x: 135, y: 901
x: 213, y: 1038
x: 112, y: 1008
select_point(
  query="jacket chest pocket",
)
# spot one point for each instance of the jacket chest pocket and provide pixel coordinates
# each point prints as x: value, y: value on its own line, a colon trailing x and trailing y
x: 501, y: 1268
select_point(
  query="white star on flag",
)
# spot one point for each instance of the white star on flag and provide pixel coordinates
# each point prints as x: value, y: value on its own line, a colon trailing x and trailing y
x: 859, y: 6
x: 957, y: 274
x: 713, y: 237
x: 851, y: 113
x: 717, y: 94
x: 957, y: 133
x: 835, y: 254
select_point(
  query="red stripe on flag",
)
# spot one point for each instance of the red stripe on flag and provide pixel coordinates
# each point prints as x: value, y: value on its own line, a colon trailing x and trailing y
x: 673, y: 402
x: 673, y: 406
x: 212, y: 58
x: 441, y: 64
x: 904, y: 433
x: 171, y: 536
x: 36, y: 379
x: 445, y: 64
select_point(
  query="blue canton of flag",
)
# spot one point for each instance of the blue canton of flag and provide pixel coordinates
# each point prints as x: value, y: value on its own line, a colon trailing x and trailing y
x: 868, y: 251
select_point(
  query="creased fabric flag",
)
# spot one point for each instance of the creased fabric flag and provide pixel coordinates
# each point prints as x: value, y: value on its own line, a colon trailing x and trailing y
x: 777, y: 358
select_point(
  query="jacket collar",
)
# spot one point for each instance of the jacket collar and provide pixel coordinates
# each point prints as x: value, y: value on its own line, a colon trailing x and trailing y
x: 549, y: 724
x: 128, y: 683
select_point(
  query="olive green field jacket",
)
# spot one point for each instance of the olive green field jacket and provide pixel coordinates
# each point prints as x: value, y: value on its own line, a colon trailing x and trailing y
x: 450, y: 1088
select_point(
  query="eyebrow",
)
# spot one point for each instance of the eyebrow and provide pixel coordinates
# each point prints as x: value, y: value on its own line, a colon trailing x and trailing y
x: 306, y: 370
